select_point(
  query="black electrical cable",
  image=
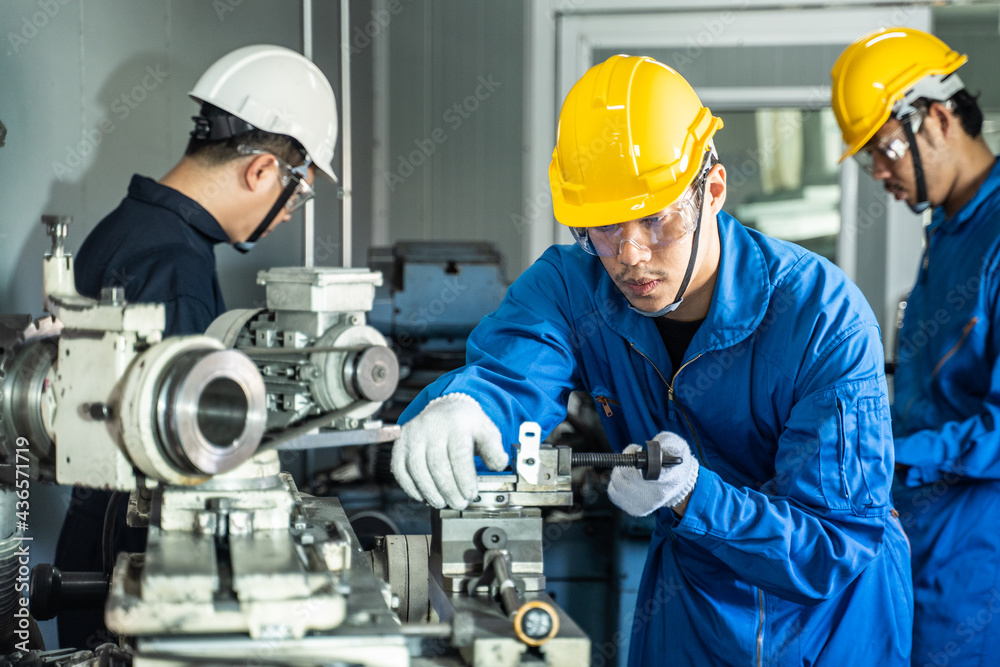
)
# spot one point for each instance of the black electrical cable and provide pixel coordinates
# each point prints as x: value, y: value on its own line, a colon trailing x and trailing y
x: 108, y: 532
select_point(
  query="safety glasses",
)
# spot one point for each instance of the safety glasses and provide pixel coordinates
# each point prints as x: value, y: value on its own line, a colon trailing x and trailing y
x: 654, y: 233
x: 893, y: 146
x: 303, y: 190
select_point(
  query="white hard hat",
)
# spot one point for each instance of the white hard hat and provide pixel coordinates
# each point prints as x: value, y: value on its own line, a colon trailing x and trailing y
x: 279, y: 91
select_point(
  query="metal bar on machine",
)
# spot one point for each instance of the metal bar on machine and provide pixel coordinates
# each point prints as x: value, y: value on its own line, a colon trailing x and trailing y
x: 309, y: 211
x: 345, y: 103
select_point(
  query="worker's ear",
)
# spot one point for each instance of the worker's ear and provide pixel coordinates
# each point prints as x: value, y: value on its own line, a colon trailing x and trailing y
x: 260, y: 172
x: 715, y: 189
x: 939, y: 121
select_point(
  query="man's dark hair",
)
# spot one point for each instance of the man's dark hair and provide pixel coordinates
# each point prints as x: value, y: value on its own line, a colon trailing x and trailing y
x: 966, y: 107
x: 214, y: 152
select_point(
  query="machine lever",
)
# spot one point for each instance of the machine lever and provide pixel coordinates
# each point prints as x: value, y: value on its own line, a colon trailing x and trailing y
x: 52, y: 590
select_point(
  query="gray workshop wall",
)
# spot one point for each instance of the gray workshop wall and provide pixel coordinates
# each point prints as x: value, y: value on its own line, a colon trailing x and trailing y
x: 455, y: 122
x: 92, y: 91
x: 975, y: 31
x: 84, y: 113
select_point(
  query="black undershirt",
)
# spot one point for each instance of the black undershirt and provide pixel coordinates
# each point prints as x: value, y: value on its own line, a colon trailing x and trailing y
x: 676, y: 337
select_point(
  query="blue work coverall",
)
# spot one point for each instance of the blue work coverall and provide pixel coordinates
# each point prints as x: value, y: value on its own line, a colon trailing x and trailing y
x: 159, y: 245
x: 946, y: 410
x: 788, y: 553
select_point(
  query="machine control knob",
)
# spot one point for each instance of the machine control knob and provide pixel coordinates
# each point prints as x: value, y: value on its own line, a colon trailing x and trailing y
x: 536, y: 622
x: 100, y: 412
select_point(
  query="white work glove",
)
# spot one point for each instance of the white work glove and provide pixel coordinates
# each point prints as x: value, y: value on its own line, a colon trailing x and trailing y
x: 640, y: 497
x: 433, y: 457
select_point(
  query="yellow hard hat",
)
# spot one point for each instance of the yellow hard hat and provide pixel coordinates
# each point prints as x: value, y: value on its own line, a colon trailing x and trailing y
x: 875, y: 73
x: 632, y: 137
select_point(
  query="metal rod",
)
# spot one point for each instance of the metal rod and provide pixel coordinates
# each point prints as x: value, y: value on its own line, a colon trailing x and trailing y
x: 508, y: 591
x: 606, y: 461
x: 307, y: 426
x: 380, y: 233
x: 345, y: 105
x: 309, y: 211
x: 297, y: 352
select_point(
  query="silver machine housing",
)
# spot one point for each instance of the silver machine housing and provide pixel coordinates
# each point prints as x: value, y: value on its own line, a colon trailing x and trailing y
x: 322, y: 364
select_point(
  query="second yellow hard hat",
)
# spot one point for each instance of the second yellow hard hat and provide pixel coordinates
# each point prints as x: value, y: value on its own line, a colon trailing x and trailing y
x: 876, y: 71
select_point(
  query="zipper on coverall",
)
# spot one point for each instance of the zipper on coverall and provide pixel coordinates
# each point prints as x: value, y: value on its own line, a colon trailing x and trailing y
x: 701, y: 454
x: 606, y: 403
x: 670, y: 396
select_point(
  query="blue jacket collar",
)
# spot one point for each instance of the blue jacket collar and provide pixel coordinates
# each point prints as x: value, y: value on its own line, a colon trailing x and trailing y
x: 742, y: 292
x: 986, y: 191
x: 149, y: 191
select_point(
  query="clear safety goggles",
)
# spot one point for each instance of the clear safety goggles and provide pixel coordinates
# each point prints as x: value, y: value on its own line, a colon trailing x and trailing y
x: 654, y: 233
x: 893, y: 146
x: 300, y: 175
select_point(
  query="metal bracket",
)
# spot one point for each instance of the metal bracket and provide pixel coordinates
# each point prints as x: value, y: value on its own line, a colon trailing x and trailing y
x: 528, y: 449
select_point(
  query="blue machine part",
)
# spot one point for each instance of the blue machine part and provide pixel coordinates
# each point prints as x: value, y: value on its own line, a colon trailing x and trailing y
x: 435, y: 293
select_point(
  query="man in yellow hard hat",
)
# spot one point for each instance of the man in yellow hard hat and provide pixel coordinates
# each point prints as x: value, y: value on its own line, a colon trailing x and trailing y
x: 755, y: 362
x: 907, y: 117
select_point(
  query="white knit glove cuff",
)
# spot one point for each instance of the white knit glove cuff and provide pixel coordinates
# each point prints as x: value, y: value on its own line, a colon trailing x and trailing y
x: 457, y: 397
x: 687, y: 470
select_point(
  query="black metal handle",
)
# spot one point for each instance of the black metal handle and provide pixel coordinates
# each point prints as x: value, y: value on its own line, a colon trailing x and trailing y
x: 51, y: 590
